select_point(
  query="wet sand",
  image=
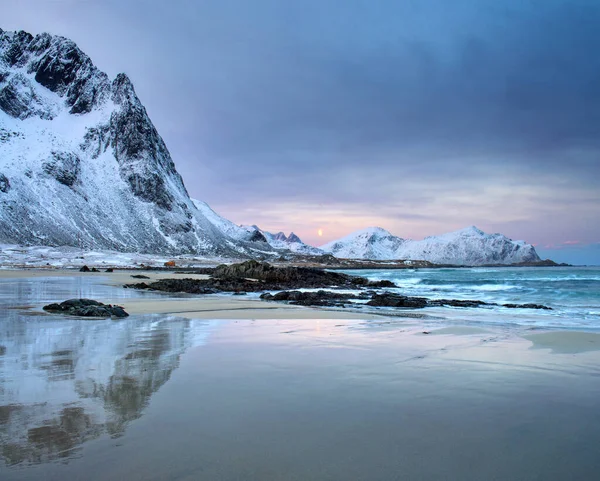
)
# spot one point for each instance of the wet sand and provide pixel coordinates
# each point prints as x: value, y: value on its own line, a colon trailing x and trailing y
x: 566, y: 342
x: 118, y: 277
x: 167, y: 397
x: 188, y: 306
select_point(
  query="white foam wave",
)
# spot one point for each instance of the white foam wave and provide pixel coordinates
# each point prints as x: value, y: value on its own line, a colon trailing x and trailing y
x: 493, y: 287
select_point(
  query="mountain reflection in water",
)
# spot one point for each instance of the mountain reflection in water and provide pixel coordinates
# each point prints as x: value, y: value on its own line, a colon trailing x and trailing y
x: 66, y: 381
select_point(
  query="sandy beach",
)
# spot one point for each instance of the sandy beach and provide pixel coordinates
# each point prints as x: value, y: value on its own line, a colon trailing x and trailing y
x: 223, y: 387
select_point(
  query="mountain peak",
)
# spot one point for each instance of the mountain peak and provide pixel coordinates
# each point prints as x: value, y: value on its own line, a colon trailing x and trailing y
x: 122, y: 89
x: 280, y: 236
x: 85, y: 171
x: 377, y: 231
x: 471, y: 230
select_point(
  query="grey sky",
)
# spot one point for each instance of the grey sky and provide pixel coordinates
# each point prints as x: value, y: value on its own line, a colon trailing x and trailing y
x: 420, y: 116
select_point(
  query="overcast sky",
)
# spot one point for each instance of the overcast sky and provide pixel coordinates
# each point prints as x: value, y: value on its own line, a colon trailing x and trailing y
x: 419, y: 116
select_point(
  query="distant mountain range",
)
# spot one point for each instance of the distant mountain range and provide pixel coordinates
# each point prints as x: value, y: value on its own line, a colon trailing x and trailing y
x: 252, y: 233
x: 469, y: 246
x: 82, y: 165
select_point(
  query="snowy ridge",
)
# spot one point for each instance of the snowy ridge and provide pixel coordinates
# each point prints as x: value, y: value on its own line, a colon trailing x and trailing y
x: 469, y: 246
x: 370, y: 243
x: 254, y: 234
x: 291, y: 242
x: 225, y: 226
x: 81, y: 163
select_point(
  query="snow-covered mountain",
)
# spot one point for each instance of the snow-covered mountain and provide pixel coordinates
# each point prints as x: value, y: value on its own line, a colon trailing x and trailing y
x: 370, y: 243
x: 81, y: 163
x: 291, y: 242
x: 469, y: 246
x: 253, y: 233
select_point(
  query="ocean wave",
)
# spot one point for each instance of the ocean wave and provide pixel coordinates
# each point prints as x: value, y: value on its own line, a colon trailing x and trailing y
x: 494, y: 287
x: 574, y: 294
x: 554, y: 279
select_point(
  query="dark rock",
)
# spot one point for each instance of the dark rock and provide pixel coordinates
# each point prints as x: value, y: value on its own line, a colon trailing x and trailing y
x: 86, y: 308
x: 240, y: 293
x: 257, y: 236
x: 15, y: 99
x: 527, y: 306
x: 457, y: 303
x: 94, y: 270
x: 318, y: 298
x: 139, y: 276
x: 84, y: 269
x: 382, y: 283
x: 110, y: 269
x: 287, y: 277
x: 293, y: 238
x: 66, y: 70
x: 151, y: 188
x: 397, y: 300
x: 254, y: 276
x: 366, y: 294
x: 4, y: 184
x: 191, y: 286
x: 328, y: 259
x: 19, y: 44
x: 134, y: 138
x: 65, y: 167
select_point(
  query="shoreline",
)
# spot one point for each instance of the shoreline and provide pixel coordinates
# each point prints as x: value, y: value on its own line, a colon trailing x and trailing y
x: 229, y: 307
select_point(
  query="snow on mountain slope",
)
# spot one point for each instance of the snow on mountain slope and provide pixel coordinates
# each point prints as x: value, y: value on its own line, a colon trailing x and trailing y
x: 292, y: 243
x: 225, y: 226
x: 252, y: 233
x: 370, y: 243
x: 469, y: 246
x: 81, y: 164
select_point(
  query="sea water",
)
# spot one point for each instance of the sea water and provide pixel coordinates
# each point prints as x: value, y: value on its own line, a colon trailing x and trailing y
x: 573, y: 293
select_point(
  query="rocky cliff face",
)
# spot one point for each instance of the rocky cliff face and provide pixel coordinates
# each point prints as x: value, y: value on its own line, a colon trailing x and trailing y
x: 81, y: 163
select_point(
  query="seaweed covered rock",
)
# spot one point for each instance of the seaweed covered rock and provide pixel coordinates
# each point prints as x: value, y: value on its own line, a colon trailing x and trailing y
x: 396, y: 300
x: 318, y: 298
x: 254, y: 276
x: 527, y: 306
x: 293, y: 277
x: 458, y: 303
x: 383, y: 299
x: 86, y: 308
x: 190, y: 286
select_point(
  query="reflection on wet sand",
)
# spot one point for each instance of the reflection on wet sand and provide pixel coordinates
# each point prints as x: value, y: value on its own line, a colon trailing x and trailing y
x: 64, y: 382
x: 56, y: 438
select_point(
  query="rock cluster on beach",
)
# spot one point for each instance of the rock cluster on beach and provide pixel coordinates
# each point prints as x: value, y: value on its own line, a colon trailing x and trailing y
x: 86, y: 308
x: 385, y: 299
x: 254, y: 276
